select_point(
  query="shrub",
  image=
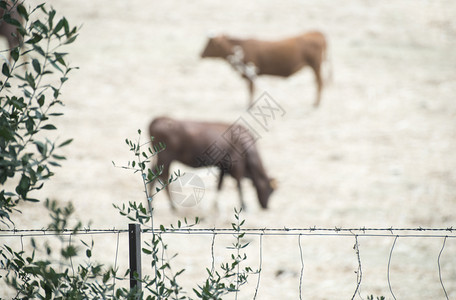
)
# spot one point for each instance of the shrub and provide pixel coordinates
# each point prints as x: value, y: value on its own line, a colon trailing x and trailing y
x: 29, y: 93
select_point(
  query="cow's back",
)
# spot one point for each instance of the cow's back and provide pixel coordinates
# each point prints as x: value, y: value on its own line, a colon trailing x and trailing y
x: 280, y: 58
x: 188, y: 141
x: 284, y: 57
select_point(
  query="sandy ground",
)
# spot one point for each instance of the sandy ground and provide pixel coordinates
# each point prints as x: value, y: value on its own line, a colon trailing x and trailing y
x: 379, y: 152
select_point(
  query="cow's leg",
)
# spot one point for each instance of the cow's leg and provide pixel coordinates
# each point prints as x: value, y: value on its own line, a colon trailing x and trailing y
x: 219, y: 187
x: 220, y: 182
x: 237, y: 171
x: 164, y: 178
x: 317, y: 70
x: 241, y: 196
x: 251, y: 85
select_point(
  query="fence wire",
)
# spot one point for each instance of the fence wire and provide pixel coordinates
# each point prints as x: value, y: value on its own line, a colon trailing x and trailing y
x: 396, y: 233
x: 449, y: 232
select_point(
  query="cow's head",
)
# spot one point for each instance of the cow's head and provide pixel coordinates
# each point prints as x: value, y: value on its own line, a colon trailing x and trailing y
x: 265, y: 192
x: 217, y: 46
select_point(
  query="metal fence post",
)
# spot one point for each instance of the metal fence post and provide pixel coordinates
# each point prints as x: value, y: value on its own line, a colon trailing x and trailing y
x: 134, y: 234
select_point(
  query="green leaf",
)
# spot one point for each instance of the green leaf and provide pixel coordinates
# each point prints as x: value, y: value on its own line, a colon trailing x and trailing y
x: 106, y: 277
x: 71, y: 40
x: 41, y: 147
x: 30, y: 80
x: 41, y: 100
x: 6, y: 133
x: 49, y: 127
x: 59, y: 26
x: 56, y: 66
x: 59, y: 157
x: 51, y: 17
x: 32, y: 200
x: 6, y: 70
x: 15, y: 53
x: 146, y: 251
x: 69, y: 251
x: 22, y: 11
x: 24, y: 186
x: 29, y: 125
x: 39, y: 50
x: 8, y: 19
x: 59, y: 58
x: 36, y: 65
x: 56, y: 92
x: 40, y: 27
x: 34, y: 40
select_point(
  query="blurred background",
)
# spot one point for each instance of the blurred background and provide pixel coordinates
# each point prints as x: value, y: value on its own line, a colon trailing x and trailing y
x: 378, y: 152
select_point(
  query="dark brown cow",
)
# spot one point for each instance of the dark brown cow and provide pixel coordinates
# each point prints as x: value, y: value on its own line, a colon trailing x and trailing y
x: 9, y: 31
x: 200, y: 144
x: 279, y: 58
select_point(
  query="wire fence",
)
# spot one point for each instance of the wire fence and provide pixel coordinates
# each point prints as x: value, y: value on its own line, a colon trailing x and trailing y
x: 397, y: 233
x: 315, y: 231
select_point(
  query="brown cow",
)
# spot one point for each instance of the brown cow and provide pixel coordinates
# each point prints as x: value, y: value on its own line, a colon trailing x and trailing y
x: 280, y: 58
x: 201, y: 144
x: 9, y: 31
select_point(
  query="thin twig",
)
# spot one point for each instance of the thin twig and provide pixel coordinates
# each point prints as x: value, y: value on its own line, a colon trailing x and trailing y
x: 71, y: 257
x: 115, y: 265
x: 359, y: 273
x: 389, y: 263
x: 212, y: 254
x: 440, y: 273
x: 260, y: 267
x: 302, y: 267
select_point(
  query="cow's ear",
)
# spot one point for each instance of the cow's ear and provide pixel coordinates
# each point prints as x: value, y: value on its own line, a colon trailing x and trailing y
x: 273, y: 183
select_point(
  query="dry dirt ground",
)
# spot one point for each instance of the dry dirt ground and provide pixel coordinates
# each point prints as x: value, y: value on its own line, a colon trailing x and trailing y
x: 378, y: 152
